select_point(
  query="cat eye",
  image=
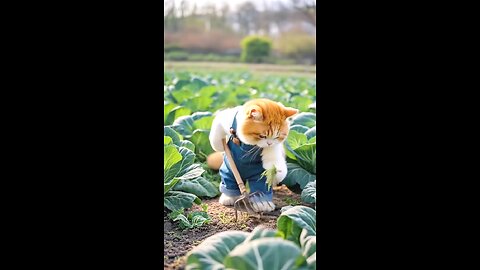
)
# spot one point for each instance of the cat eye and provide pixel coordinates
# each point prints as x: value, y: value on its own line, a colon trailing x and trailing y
x: 262, y: 137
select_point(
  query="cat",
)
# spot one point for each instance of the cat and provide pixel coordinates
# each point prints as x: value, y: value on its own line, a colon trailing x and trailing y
x: 259, y: 127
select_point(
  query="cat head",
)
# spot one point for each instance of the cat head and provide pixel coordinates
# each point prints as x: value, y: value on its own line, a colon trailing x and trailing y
x: 265, y: 122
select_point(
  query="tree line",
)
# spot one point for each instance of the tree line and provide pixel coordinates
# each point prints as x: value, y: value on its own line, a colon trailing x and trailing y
x: 274, y: 17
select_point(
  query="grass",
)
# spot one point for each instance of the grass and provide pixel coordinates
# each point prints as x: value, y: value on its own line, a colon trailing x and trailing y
x: 291, y: 201
x: 256, y: 69
x: 224, y: 219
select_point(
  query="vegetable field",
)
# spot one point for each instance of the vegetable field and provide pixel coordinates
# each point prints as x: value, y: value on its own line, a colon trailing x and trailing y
x: 199, y: 232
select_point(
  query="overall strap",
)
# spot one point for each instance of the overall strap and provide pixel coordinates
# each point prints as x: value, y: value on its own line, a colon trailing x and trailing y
x: 233, y: 131
x: 234, y: 124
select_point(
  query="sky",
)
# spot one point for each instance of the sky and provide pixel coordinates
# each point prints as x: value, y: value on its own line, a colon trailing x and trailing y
x: 232, y: 3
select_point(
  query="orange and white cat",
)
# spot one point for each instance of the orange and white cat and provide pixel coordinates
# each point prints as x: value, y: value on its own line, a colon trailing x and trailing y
x: 255, y: 133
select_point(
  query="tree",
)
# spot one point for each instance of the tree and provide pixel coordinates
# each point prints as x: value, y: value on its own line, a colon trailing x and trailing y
x: 247, y: 17
x: 308, y: 8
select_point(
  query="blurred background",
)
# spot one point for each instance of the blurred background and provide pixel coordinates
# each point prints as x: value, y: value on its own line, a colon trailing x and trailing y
x: 280, y: 32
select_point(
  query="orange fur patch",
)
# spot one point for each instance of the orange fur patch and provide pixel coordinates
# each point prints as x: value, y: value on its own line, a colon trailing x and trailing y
x: 215, y: 160
x: 266, y: 117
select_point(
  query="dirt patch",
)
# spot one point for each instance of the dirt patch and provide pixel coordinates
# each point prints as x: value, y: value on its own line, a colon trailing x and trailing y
x: 178, y: 243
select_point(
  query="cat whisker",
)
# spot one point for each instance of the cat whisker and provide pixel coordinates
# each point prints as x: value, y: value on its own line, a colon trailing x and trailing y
x: 257, y: 151
x: 251, y: 156
x: 251, y: 151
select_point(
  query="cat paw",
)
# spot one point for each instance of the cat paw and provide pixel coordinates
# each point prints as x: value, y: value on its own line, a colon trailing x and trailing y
x: 281, y: 171
x: 267, y: 165
x: 281, y: 174
x: 266, y: 206
x: 227, y: 200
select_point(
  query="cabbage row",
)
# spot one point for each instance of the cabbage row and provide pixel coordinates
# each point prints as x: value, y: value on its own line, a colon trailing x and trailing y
x: 190, y: 100
x: 291, y: 246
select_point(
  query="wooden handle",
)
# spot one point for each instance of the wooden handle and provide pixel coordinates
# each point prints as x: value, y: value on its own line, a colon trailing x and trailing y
x: 240, y: 183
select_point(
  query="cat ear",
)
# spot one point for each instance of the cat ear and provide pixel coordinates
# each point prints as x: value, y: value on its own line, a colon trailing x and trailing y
x: 255, y: 113
x: 290, y: 111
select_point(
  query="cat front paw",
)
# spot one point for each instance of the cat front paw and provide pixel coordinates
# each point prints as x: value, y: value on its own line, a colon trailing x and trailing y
x: 267, y: 165
x: 227, y: 200
x: 281, y: 173
x: 263, y: 206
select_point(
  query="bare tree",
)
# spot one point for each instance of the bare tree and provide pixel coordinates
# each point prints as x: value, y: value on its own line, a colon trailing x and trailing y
x: 281, y: 16
x: 308, y: 8
x: 224, y: 11
x: 247, y: 17
x: 183, y: 9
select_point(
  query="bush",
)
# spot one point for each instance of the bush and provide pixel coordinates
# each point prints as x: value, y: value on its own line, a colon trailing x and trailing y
x: 298, y: 46
x: 172, y: 48
x: 255, y: 49
x: 176, y: 56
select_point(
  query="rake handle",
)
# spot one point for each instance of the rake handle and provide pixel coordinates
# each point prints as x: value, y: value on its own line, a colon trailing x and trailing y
x: 238, y: 178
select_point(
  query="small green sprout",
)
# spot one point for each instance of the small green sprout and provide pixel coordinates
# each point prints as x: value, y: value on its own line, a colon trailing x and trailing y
x: 270, y: 174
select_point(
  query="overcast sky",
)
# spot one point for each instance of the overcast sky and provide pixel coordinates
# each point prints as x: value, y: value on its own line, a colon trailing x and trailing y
x: 232, y: 3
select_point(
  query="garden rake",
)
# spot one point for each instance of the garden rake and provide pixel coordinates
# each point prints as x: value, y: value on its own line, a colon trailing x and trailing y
x: 249, y: 203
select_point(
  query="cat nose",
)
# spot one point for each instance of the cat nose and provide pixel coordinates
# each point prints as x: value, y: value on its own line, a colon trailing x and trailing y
x: 269, y: 143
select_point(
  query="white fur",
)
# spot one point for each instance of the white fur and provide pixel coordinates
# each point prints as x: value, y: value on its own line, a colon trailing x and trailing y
x: 259, y: 207
x: 227, y: 200
x: 221, y: 128
x: 275, y: 156
x: 263, y: 207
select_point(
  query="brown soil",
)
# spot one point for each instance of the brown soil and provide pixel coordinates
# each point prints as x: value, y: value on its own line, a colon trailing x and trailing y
x: 178, y: 243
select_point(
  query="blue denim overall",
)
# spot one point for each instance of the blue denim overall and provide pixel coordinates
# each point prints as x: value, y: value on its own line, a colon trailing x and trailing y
x: 249, y: 164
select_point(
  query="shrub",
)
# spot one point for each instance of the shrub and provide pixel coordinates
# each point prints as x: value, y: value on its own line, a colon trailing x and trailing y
x: 176, y: 56
x: 255, y: 49
x: 172, y: 48
x: 296, y: 45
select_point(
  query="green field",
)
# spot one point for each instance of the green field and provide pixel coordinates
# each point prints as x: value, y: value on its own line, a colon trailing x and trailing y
x: 258, y: 69
x: 191, y: 97
x: 193, y: 93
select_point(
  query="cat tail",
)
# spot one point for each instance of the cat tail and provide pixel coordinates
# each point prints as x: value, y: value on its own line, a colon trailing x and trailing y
x: 215, y: 160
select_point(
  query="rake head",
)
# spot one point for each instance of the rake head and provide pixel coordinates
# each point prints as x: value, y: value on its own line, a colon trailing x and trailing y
x: 256, y: 202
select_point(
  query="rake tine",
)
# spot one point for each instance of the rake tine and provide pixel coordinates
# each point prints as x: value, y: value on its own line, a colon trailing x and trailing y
x: 256, y: 209
x: 249, y: 207
x: 269, y: 203
x: 241, y: 205
x: 261, y: 196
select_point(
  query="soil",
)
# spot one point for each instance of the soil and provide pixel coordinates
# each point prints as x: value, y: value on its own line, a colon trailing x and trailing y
x: 178, y: 242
